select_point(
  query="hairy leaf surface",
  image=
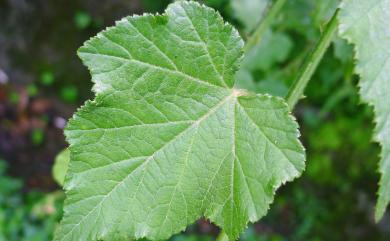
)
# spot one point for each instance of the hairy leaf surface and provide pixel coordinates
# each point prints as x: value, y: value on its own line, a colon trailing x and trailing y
x: 168, y: 139
x: 365, y: 23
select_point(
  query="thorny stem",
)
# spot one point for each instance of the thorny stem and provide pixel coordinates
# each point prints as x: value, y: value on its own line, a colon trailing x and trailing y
x: 258, y: 33
x: 311, y: 63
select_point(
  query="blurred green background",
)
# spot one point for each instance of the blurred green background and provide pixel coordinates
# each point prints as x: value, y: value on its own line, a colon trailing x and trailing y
x: 42, y: 82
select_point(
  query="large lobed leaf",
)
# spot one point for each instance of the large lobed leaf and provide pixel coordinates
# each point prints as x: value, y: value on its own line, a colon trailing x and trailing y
x: 365, y: 23
x: 168, y: 139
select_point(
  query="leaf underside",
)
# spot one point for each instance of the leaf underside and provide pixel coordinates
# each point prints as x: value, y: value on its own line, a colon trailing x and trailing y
x: 365, y: 23
x: 168, y: 139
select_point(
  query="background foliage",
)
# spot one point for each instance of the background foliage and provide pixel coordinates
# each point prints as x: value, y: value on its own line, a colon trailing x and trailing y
x: 42, y: 82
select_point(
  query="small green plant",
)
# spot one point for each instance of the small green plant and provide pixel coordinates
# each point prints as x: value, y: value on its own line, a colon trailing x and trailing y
x: 26, y: 216
x: 170, y: 138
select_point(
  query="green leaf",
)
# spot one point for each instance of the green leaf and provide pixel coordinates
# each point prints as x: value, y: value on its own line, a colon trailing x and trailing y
x: 168, y: 139
x: 365, y: 23
x: 61, y: 166
x: 249, y: 12
x: 274, y: 48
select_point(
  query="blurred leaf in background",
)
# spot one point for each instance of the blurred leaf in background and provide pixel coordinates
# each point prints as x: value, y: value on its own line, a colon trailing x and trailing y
x: 260, y: 69
x: 82, y: 19
x: 61, y: 166
x: 31, y: 216
x: 47, y: 78
x: 249, y: 12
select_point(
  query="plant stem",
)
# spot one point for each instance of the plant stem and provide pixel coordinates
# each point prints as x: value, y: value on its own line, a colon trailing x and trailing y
x: 264, y: 24
x: 311, y: 63
x: 222, y: 236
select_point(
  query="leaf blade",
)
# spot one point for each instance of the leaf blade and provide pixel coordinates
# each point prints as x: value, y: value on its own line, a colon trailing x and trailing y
x: 364, y: 23
x: 157, y: 148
